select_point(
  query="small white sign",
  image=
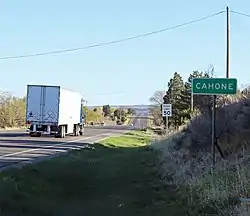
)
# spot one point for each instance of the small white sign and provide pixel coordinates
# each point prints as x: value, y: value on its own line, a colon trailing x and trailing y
x: 166, y: 110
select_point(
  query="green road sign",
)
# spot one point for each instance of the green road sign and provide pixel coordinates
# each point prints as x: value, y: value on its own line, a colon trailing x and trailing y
x: 214, y: 86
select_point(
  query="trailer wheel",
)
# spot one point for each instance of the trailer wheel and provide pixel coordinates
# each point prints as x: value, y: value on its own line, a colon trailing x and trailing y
x: 81, y: 131
x: 61, y: 132
x: 74, y: 133
x: 63, y: 128
x: 76, y: 130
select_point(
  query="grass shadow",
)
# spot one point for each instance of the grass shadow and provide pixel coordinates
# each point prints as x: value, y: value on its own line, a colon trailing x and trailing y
x: 116, y: 177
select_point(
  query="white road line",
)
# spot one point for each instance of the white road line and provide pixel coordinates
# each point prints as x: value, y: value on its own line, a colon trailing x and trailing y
x: 51, y: 146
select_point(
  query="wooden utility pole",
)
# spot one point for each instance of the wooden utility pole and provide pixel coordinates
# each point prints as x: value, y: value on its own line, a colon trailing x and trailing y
x: 214, y: 137
x: 228, y: 44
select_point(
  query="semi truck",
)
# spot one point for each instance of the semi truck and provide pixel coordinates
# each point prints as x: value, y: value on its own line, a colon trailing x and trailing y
x: 54, y: 110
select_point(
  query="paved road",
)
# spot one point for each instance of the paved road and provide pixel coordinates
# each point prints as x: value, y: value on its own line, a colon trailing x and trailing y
x: 140, y: 123
x: 17, y: 146
x: 110, y: 127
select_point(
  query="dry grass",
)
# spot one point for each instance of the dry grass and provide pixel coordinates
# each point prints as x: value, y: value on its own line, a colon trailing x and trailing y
x: 186, y: 161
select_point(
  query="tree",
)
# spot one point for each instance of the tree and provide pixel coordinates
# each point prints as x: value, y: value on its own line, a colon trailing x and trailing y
x: 131, y: 111
x: 200, y: 102
x: 118, y: 113
x: 178, y: 94
x: 123, y: 119
x: 156, y: 114
x: 174, y: 96
x: 106, y: 110
x: 12, y: 111
x: 157, y: 98
x: 155, y: 110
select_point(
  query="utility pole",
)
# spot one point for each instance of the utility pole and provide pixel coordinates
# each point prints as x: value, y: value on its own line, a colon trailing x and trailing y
x: 214, y: 136
x: 228, y: 43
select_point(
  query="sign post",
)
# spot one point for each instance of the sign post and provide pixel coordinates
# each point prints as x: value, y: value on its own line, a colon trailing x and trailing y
x: 166, y: 112
x: 214, y: 87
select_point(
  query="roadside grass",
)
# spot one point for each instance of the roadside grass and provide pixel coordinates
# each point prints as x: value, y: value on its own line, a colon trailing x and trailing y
x: 202, y: 192
x: 117, y: 176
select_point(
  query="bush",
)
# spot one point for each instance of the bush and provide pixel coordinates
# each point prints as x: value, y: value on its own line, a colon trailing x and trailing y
x: 123, y: 119
x: 118, y: 122
x: 186, y: 161
x: 93, y: 115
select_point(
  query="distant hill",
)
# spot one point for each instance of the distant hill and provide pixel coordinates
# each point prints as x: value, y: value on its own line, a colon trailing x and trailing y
x: 125, y: 106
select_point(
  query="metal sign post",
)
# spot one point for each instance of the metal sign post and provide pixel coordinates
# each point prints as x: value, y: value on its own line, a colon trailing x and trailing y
x: 213, y: 129
x: 214, y: 87
x: 166, y: 112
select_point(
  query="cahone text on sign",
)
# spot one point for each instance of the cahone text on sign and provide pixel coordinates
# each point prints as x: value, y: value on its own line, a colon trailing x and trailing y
x: 214, y: 86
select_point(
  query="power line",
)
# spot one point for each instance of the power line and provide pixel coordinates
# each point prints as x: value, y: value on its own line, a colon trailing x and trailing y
x: 239, y: 13
x: 111, y: 42
x: 108, y: 93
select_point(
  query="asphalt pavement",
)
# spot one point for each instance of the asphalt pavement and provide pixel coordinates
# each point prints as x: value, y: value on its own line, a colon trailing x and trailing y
x: 18, y: 147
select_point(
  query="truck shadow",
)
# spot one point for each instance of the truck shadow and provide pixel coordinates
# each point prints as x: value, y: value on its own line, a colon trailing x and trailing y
x: 20, y: 134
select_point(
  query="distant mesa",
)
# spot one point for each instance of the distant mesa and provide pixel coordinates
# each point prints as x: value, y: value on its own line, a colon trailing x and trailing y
x: 141, y: 107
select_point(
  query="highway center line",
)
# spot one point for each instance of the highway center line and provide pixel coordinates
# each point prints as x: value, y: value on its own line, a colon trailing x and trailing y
x: 59, y: 144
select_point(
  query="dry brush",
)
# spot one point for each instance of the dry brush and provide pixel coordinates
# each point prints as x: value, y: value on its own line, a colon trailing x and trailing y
x: 186, y: 160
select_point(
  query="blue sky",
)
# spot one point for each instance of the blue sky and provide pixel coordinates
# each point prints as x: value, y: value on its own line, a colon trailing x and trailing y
x: 132, y: 71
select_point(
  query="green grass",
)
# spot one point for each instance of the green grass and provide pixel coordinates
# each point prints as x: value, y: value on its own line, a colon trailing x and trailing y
x: 115, y: 177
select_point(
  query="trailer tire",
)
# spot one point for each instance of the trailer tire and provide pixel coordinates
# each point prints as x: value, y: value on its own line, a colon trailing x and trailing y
x: 63, y: 131
x: 35, y: 134
x: 81, y: 129
x: 76, y: 130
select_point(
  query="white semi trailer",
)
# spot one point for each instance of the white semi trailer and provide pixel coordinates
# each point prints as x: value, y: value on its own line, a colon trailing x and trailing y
x: 54, y: 110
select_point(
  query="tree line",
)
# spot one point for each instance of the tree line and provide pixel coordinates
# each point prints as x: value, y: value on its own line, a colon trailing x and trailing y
x: 117, y: 114
x: 178, y: 93
x: 13, y: 112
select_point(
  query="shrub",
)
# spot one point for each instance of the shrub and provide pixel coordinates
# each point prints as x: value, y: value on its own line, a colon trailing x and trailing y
x: 186, y: 160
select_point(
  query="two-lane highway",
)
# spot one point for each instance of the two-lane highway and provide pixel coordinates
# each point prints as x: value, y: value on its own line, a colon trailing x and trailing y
x: 17, y: 147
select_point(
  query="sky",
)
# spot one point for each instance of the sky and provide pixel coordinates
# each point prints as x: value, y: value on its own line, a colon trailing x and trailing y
x: 122, y: 73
